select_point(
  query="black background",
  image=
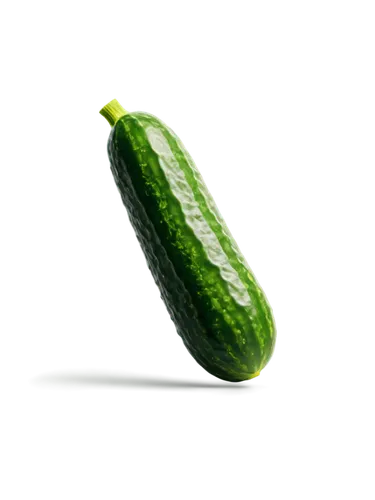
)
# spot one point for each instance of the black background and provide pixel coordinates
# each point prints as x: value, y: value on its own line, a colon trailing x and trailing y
x: 93, y: 308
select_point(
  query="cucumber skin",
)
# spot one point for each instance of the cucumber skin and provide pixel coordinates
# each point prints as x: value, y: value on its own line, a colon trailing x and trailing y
x: 218, y: 308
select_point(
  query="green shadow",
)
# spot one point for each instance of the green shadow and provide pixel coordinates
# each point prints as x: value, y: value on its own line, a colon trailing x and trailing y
x: 123, y: 381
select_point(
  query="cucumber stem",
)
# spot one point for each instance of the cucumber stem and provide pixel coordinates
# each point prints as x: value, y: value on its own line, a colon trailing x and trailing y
x: 112, y: 112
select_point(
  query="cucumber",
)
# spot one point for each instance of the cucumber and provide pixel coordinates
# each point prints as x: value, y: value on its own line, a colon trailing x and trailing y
x: 213, y: 298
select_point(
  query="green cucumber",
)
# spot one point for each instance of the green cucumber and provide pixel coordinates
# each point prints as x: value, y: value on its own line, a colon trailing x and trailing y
x: 213, y: 298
